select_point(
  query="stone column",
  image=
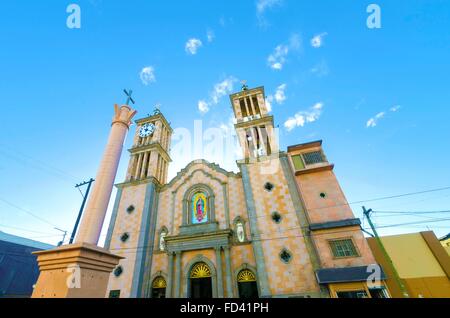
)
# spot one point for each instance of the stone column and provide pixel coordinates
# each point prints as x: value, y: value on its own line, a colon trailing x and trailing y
x: 229, y: 275
x: 219, y: 272
x: 178, y: 274
x: 170, y: 277
x: 94, y: 215
x: 82, y: 270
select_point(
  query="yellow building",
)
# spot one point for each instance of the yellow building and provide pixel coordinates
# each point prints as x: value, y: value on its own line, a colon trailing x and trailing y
x: 421, y: 262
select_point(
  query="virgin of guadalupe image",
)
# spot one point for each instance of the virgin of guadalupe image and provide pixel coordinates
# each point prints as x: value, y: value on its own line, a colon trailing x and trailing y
x: 200, y: 210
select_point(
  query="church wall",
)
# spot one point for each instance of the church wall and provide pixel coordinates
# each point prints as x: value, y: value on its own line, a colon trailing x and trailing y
x: 228, y: 192
x: 334, y: 207
x: 297, y: 276
x: 240, y: 255
x: 322, y: 238
x: 171, y: 197
x: 236, y: 199
x: 163, y: 214
x: 159, y: 264
x: 130, y: 223
x: 331, y: 208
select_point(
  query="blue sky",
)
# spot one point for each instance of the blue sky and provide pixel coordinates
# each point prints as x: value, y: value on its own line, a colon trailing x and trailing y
x: 377, y: 97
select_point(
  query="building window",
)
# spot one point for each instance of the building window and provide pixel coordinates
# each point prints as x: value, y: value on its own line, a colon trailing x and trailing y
x: 352, y: 294
x: 313, y: 157
x: 269, y: 186
x: 343, y: 248
x: 323, y: 195
x: 379, y: 292
x: 118, y: 271
x: 298, y: 162
x: 124, y: 237
x: 276, y: 217
x: 114, y: 294
x: 130, y: 209
x: 285, y: 256
x: 199, y: 208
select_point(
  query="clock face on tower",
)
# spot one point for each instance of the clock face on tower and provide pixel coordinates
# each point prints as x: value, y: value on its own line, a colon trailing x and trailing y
x: 146, y: 130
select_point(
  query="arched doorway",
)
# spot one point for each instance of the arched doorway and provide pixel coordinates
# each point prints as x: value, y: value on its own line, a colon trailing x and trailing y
x: 200, y: 281
x: 247, y: 284
x: 159, y: 287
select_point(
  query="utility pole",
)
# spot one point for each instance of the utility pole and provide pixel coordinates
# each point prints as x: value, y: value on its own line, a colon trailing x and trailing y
x: 89, y: 183
x: 386, y: 255
x: 64, y: 236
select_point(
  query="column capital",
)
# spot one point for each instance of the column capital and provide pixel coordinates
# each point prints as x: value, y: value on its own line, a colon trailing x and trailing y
x: 123, y: 114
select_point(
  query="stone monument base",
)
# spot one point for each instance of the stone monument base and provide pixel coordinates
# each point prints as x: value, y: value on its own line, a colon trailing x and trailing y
x: 74, y: 271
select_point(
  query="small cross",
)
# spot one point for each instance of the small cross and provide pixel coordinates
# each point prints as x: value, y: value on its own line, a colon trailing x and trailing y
x: 244, y: 85
x: 129, y: 98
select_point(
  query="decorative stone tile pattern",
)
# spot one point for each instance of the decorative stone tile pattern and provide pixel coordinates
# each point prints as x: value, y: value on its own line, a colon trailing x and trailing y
x: 284, y: 279
x: 331, y: 208
x: 130, y: 223
x: 322, y: 239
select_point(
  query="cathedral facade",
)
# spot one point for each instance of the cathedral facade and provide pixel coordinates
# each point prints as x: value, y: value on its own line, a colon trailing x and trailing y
x: 281, y: 227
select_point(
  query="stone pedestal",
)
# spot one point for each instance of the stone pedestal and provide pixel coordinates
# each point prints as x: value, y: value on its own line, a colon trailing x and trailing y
x: 74, y: 271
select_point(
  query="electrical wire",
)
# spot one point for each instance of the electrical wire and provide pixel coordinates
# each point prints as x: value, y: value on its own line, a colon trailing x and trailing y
x: 28, y: 212
x: 22, y: 229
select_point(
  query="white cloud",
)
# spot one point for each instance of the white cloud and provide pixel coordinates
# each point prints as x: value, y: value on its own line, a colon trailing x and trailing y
x: 373, y: 122
x: 192, y: 46
x: 210, y: 35
x: 269, y: 101
x: 279, y: 97
x: 203, y: 106
x: 223, y: 88
x: 320, y: 69
x: 220, y: 90
x: 262, y: 6
x: 304, y: 117
x: 278, y: 57
x: 395, y: 108
x: 147, y: 75
x: 317, y: 40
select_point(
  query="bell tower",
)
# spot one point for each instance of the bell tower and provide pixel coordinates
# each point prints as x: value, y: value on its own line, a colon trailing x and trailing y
x: 254, y: 125
x: 150, y: 150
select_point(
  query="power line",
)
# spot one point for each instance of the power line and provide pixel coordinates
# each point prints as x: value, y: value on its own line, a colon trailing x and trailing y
x: 28, y: 212
x: 35, y: 163
x: 412, y: 223
x: 22, y: 229
x: 374, y: 200
x: 402, y: 195
x: 413, y: 212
